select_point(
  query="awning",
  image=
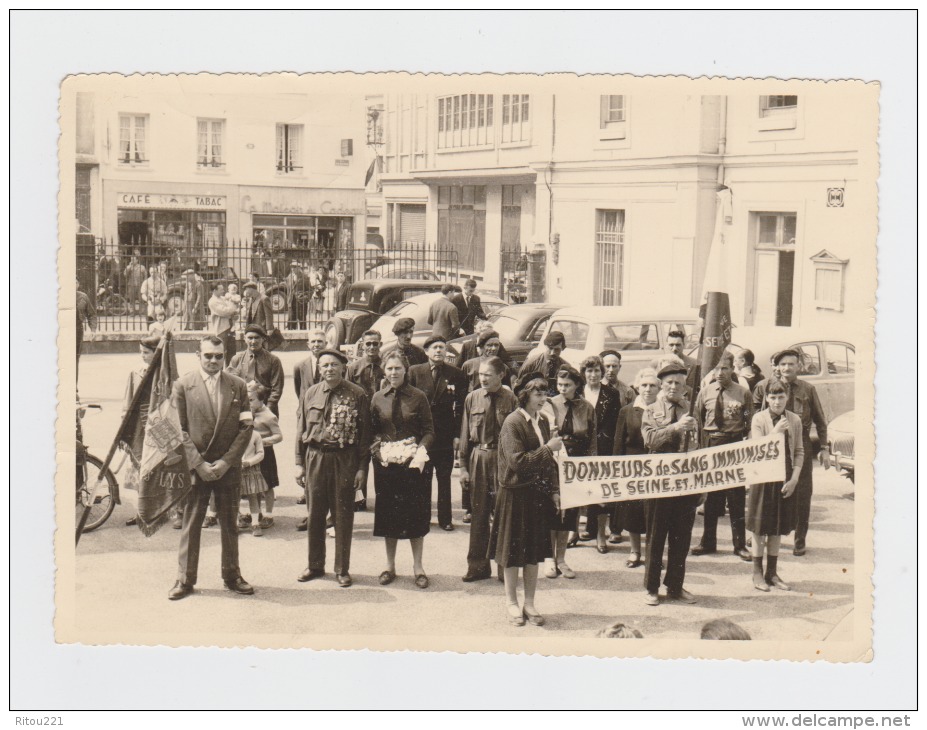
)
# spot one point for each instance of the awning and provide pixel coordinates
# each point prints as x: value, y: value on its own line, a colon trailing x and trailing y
x: 477, y: 176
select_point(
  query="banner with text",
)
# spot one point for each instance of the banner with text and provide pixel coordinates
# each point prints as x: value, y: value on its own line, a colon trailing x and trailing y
x: 596, y: 479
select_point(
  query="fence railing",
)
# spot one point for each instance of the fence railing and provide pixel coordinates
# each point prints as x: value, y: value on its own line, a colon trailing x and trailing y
x: 132, y: 286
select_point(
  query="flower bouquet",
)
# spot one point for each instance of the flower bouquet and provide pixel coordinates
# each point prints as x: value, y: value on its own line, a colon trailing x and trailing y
x: 397, y: 452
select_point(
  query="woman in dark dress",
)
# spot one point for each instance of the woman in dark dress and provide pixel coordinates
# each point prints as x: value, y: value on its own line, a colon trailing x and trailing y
x: 576, y: 425
x: 629, y: 441
x: 772, y: 510
x: 528, y: 495
x: 402, y: 427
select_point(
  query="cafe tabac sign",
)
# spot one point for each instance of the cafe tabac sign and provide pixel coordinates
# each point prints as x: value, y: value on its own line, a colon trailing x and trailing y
x: 170, y: 201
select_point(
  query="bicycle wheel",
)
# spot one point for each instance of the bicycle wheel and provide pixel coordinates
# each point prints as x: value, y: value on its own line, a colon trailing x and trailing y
x: 103, y: 503
x: 115, y: 305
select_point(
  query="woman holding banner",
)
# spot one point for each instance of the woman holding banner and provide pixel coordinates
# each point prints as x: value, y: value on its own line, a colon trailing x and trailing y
x: 528, y: 496
x: 772, y: 509
x: 576, y: 424
x: 629, y: 441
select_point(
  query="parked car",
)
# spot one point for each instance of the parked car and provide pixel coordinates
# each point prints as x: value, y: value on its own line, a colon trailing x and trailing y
x: 639, y: 337
x: 519, y: 327
x: 841, y: 439
x: 417, y: 308
x: 366, y: 301
x: 401, y: 270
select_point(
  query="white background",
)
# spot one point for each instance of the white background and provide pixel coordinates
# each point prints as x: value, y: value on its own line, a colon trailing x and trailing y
x: 47, y: 45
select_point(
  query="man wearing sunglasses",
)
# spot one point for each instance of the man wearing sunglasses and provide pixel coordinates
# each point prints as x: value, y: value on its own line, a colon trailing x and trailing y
x: 216, y: 426
x: 366, y: 370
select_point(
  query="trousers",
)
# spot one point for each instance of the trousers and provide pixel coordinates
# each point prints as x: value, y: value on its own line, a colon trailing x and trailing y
x: 226, y: 491
x: 483, y: 487
x: 736, y: 500
x: 330, y: 486
x: 443, y: 463
x: 803, y: 491
x: 668, y: 518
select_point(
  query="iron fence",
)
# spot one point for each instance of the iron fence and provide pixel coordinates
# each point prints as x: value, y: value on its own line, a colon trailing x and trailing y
x: 131, y: 286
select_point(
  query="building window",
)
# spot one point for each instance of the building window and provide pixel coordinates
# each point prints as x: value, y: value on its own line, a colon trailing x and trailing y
x: 465, y: 120
x: 210, y: 135
x: 612, y: 111
x: 133, y: 139
x: 375, y: 124
x: 774, y: 283
x: 511, y: 217
x: 829, y: 277
x: 609, y: 257
x: 289, y: 147
x: 516, y: 125
x: 771, y: 106
x: 462, y: 224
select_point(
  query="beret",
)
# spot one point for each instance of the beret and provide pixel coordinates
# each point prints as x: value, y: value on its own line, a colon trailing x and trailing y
x: 403, y: 324
x: 527, y: 378
x: 555, y: 339
x: 249, y: 285
x: 256, y: 328
x: 487, y: 335
x: 433, y: 339
x: 337, y: 354
x: 672, y: 369
x: 783, y: 353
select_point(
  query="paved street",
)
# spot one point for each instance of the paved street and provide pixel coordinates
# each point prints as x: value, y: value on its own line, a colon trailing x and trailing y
x: 118, y: 566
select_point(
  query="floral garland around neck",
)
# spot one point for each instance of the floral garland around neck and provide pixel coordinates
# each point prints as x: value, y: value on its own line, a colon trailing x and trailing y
x: 342, y: 424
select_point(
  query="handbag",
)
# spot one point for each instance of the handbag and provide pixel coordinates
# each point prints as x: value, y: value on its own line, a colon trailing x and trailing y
x: 274, y: 339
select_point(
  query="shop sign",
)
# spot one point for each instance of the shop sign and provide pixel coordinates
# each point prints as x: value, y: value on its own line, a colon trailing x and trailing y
x: 326, y: 207
x: 181, y: 202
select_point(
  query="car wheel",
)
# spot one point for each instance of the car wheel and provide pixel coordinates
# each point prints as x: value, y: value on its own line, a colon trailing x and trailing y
x: 277, y: 300
x: 174, y: 304
x: 334, y: 333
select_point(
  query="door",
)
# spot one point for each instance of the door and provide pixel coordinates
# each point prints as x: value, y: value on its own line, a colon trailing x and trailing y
x: 411, y: 224
x: 766, y: 287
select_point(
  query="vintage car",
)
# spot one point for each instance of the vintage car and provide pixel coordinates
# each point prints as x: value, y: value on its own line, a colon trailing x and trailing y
x: 417, y: 308
x: 639, y: 337
x: 841, y: 438
x: 401, y: 270
x: 366, y: 301
x: 519, y: 327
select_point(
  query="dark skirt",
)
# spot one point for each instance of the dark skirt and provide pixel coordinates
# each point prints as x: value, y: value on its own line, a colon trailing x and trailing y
x: 629, y: 516
x: 569, y: 522
x: 768, y: 512
x: 521, y: 528
x: 269, y: 468
x: 403, y: 506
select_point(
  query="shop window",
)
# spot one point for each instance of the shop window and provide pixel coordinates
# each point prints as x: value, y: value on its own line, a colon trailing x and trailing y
x: 609, y: 257
x: 774, y: 270
x: 289, y: 147
x: 516, y: 126
x: 462, y: 224
x: 133, y: 139
x: 465, y: 120
x: 210, y: 141
x: 829, y: 280
x: 613, y: 116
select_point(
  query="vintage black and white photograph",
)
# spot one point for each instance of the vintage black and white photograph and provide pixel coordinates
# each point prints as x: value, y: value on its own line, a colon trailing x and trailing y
x: 514, y: 363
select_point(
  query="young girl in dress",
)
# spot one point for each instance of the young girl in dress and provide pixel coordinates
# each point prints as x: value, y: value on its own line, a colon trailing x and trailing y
x: 157, y: 328
x: 771, y: 507
x: 265, y: 425
x: 252, y: 482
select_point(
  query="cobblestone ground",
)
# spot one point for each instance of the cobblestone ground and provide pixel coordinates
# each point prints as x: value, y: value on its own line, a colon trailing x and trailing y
x: 116, y: 566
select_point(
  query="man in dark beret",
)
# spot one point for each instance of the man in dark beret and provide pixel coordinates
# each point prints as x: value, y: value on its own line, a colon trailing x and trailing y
x: 256, y: 363
x: 666, y: 428
x: 489, y: 345
x: 403, y: 329
x: 546, y: 361
x: 446, y: 389
x: 803, y: 401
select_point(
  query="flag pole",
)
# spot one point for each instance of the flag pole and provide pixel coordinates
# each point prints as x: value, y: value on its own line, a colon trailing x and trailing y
x: 136, y: 400
x: 696, y: 385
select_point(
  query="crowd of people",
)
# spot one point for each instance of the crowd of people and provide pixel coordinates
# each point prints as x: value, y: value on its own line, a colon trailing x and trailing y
x: 409, y: 416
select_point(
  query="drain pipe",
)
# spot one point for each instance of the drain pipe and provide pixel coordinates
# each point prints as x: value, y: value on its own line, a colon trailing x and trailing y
x: 722, y: 140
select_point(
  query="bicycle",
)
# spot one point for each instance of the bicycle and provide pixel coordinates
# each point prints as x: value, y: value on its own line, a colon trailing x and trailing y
x: 89, y: 478
x: 109, y: 302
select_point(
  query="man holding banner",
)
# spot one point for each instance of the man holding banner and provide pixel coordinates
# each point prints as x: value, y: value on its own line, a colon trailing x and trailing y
x: 667, y: 428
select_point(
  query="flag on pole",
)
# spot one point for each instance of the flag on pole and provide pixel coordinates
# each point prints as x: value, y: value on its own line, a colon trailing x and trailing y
x: 715, y: 311
x: 151, y: 432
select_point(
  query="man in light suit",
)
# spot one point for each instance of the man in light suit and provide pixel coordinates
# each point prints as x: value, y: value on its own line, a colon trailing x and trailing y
x: 216, y: 424
x: 305, y: 375
x: 446, y: 388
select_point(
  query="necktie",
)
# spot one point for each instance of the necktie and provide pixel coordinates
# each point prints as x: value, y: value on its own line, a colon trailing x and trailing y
x: 397, y: 412
x: 435, y: 374
x: 719, y: 410
x: 567, y: 428
x: 251, y: 367
x: 491, y: 427
x: 315, y: 372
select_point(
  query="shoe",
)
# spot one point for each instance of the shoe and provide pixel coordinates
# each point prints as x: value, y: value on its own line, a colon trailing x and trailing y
x: 267, y: 523
x: 244, y: 521
x: 330, y: 532
x: 602, y: 549
x: 180, y: 590
x: 386, y: 577
x: 550, y: 569
x: 421, y: 581
x: 360, y: 506
x: 749, y: 542
x: 240, y: 586
x: 760, y: 583
x: 682, y: 595
x: 447, y: 528
x: 634, y: 561
x: 472, y: 577
x: 584, y: 536
x: 652, y: 599
x: 177, y: 524
x: 535, y: 619
x: 209, y: 521
x: 131, y: 521
x: 615, y: 539
x: 466, y: 518
x: 345, y: 580
x: 310, y: 574
x: 518, y: 620
x: 566, y: 570
x: 777, y: 582
x: 303, y: 525
x: 744, y: 555
x: 256, y: 531
x: 702, y: 550
x: 798, y: 551
x: 301, y: 499
x: 573, y: 542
